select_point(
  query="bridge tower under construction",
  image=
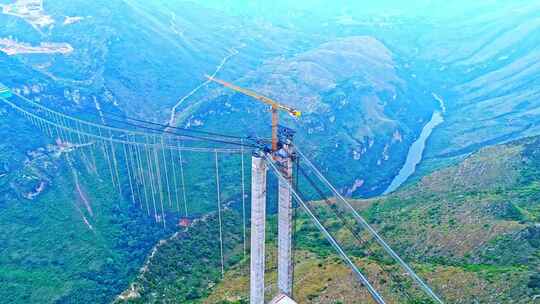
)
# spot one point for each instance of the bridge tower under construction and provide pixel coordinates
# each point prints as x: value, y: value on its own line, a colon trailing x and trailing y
x: 283, y: 157
x: 144, y: 157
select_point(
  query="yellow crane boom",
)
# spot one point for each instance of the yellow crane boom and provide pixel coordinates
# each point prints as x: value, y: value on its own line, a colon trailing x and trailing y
x: 274, y: 105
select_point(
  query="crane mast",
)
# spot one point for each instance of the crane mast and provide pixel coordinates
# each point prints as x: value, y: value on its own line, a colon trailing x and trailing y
x: 275, y: 106
x: 284, y: 158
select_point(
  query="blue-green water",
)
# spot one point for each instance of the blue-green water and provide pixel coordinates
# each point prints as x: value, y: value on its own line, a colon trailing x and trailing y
x: 414, y: 156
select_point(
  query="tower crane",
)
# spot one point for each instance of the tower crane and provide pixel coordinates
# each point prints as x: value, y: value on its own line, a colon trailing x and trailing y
x: 275, y: 106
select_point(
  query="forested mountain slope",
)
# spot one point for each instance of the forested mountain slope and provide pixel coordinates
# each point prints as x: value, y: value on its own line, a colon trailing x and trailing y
x: 471, y: 230
x: 367, y: 77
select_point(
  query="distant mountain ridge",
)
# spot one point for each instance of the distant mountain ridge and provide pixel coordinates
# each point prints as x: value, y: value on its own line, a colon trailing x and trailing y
x: 364, y: 74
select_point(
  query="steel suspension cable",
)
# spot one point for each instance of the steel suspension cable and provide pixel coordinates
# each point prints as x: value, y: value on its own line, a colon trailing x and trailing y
x: 183, y: 182
x: 172, y: 127
x: 160, y: 186
x: 160, y: 132
x: 156, y: 132
x: 371, y: 230
x: 128, y: 164
x: 151, y: 178
x: 219, y: 217
x: 243, y: 201
x: 134, y: 168
x: 166, y: 169
x: 216, y: 137
x: 100, y: 137
x: 86, y: 160
x: 64, y: 123
x: 105, y: 151
x: 115, y: 163
x: 356, y: 235
x: 373, y: 292
x: 92, y: 151
x: 175, y: 181
x: 143, y: 178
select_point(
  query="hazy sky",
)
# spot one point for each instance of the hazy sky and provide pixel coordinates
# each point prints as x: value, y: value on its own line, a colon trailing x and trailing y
x: 362, y: 7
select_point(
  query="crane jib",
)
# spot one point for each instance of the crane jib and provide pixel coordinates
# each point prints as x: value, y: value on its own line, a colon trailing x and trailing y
x: 274, y: 104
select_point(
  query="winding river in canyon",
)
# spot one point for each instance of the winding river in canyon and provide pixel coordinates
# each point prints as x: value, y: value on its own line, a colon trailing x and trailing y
x: 416, y: 151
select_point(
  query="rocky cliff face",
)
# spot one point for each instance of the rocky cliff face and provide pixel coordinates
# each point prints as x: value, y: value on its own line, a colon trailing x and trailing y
x: 366, y: 82
x: 360, y: 109
x: 489, y: 79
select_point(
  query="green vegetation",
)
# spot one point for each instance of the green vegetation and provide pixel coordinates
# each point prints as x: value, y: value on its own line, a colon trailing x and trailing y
x: 480, y: 215
x: 48, y: 252
x: 186, y: 266
x: 481, y: 243
x: 363, y: 76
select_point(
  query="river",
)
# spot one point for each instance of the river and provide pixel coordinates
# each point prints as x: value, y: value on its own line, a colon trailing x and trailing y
x: 416, y: 151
